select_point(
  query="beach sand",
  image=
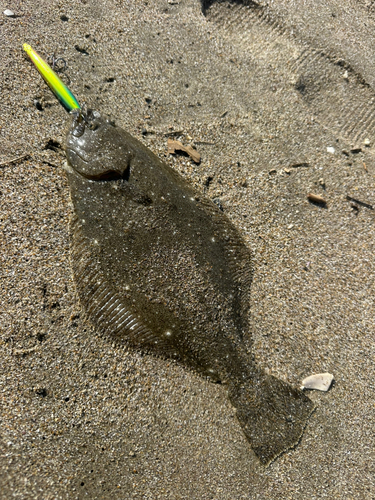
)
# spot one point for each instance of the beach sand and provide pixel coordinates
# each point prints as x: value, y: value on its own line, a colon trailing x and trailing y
x: 278, y: 99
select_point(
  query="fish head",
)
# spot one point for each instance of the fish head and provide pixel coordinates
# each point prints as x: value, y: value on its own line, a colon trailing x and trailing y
x: 95, y: 147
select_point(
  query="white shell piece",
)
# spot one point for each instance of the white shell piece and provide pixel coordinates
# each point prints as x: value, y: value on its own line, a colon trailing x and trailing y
x: 8, y: 13
x: 319, y: 382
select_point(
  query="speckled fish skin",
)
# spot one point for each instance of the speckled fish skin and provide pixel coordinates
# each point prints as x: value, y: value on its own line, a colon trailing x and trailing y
x: 163, y: 268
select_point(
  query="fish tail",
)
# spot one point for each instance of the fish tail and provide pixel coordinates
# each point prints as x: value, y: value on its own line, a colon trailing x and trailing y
x: 272, y: 414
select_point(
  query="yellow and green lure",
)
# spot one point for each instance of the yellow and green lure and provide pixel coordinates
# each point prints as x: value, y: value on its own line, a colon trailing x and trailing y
x: 59, y: 88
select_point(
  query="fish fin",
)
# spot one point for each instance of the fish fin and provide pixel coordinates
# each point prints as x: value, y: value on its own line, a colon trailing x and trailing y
x: 103, y: 305
x: 273, y: 415
x: 239, y: 257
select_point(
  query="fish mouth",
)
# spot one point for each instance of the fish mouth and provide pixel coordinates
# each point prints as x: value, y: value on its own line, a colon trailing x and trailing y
x: 84, y: 171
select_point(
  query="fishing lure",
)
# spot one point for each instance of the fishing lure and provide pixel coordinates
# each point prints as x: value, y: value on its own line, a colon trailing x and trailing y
x: 61, y: 91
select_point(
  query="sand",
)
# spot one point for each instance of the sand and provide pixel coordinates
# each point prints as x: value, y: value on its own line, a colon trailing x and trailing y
x: 278, y: 99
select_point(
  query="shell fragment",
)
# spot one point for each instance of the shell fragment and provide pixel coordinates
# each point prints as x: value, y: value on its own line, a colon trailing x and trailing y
x: 319, y: 382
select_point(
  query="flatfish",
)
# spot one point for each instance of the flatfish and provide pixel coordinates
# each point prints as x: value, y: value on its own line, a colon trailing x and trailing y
x: 159, y: 265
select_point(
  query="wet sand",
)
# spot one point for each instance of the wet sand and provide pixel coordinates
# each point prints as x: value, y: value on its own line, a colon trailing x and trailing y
x: 278, y: 101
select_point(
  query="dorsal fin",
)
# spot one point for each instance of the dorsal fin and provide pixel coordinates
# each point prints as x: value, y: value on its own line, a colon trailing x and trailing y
x: 238, y: 254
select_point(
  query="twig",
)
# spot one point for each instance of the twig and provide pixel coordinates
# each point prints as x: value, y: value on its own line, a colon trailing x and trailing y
x: 174, y: 132
x: 7, y: 162
x: 174, y: 146
x: 367, y: 205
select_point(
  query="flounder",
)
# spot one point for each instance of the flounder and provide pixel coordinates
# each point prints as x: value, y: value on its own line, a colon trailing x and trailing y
x: 159, y: 265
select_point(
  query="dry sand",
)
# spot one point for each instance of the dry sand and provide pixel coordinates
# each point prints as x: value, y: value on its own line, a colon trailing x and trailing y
x: 262, y: 92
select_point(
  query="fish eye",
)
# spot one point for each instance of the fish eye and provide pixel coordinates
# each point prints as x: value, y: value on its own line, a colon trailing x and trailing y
x: 78, y: 123
x: 93, y: 125
x: 92, y: 119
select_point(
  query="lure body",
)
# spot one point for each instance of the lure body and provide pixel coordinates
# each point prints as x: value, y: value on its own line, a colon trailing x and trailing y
x: 160, y: 266
x: 58, y: 87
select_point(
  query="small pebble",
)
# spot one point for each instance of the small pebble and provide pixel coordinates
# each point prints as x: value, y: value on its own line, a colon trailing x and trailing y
x: 366, y: 142
x: 8, y: 13
x: 315, y: 198
x: 318, y: 382
x: 330, y: 149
